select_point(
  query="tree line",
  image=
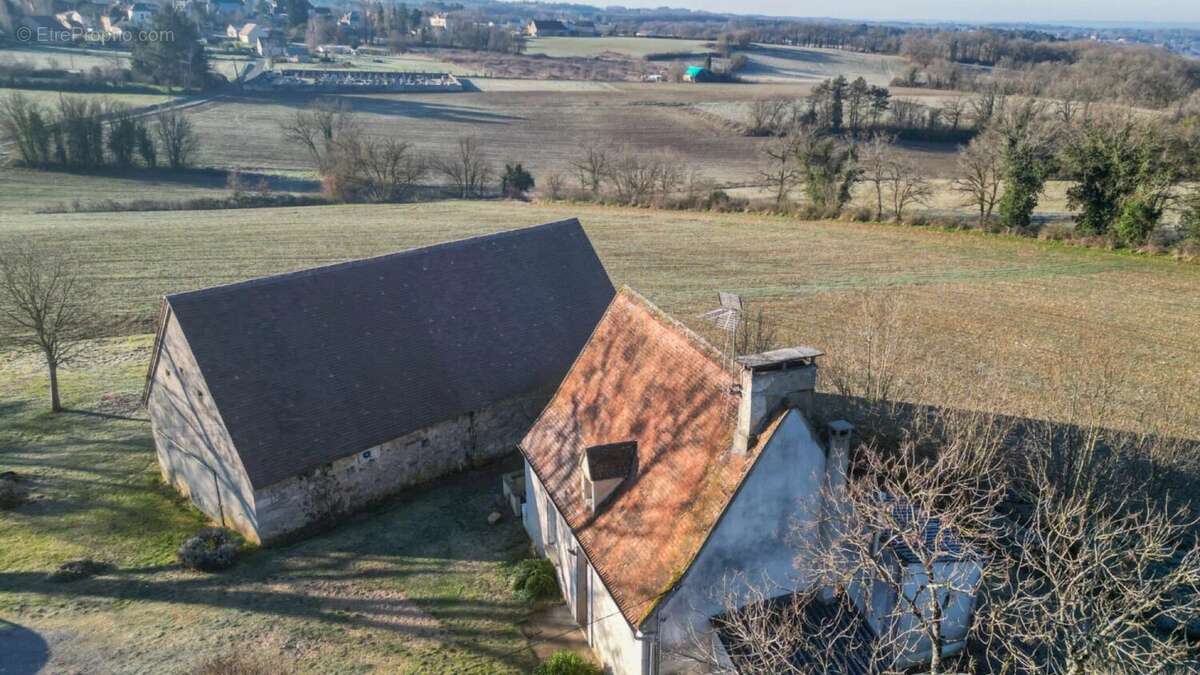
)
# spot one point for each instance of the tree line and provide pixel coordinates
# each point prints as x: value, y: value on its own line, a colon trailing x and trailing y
x: 91, y: 133
x: 838, y: 105
x: 356, y: 166
x: 1125, y: 172
x: 1085, y: 71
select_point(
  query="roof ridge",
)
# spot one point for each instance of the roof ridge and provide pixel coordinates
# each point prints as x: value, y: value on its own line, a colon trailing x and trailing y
x: 361, y: 262
x: 706, y: 348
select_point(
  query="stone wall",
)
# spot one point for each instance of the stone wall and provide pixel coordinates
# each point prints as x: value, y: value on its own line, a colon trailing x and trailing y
x: 350, y: 483
x: 195, y: 454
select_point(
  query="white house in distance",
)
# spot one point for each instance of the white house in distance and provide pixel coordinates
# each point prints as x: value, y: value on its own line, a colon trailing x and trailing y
x: 657, y: 473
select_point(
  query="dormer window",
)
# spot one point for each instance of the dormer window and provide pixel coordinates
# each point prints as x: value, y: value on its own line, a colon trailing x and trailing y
x: 605, y: 467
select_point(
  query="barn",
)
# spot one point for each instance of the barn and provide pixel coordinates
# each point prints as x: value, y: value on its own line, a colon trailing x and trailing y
x: 287, y: 401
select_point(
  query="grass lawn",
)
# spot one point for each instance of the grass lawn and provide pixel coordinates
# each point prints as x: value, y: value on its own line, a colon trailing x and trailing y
x: 68, y: 58
x: 415, y: 587
x: 50, y: 98
x: 27, y: 190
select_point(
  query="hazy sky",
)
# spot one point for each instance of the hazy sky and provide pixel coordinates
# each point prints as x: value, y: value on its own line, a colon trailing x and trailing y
x: 953, y: 10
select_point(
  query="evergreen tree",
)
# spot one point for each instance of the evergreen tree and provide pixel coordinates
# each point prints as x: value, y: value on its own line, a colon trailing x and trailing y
x: 170, y: 53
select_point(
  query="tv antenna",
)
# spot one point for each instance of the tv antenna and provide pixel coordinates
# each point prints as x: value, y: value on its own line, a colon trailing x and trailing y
x: 726, y: 318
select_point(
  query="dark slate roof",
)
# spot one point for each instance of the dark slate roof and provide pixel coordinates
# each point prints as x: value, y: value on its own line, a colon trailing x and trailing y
x: 613, y: 460
x: 316, y: 365
x: 549, y: 24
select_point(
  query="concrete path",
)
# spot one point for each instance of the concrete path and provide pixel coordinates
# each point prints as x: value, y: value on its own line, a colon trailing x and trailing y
x: 553, y: 629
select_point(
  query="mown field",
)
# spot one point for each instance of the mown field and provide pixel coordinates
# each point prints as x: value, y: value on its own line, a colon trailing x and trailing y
x: 1012, y: 325
x: 1010, y: 305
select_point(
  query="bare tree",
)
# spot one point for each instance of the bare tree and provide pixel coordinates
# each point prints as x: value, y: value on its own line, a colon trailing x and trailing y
x: 764, y: 630
x: 1098, y: 581
x: 953, y: 111
x: 980, y: 170
x: 876, y: 344
x: 592, y: 165
x: 986, y: 106
x: 467, y: 169
x: 177, y: 138
x: 754, y: 332
x: 1087, y: 497
x: 554, y: 186
x: 25, y: 122
x: 633, y: 176
x: 318, y: 130
x: 44, y: 305
x: 876, y: 157
x: 782, y: 171
x: 375, y: 170
x: 907, y: 538
x: 669, y: 175
x: 766, y: 116
x: 907, y: 185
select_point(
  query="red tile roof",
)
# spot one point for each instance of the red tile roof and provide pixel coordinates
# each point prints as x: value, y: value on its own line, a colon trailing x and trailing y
x: 642, y: 377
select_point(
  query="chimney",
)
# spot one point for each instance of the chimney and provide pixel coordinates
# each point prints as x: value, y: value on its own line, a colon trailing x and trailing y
x: 771, y: 382
x: 837, y: 462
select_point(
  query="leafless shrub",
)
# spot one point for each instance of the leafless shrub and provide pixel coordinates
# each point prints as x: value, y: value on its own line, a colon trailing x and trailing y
x: 867, y: 364
x: 554, y: 186
x: 633, y: 176
x: 754, y: 333
x: 465, y: 166
x: 376, y: 170
x: 592, y: 165
x: 766, y: 116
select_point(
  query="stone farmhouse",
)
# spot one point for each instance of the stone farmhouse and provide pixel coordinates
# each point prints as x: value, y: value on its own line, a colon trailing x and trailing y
x: 286, y: 401
x: 659, y: 472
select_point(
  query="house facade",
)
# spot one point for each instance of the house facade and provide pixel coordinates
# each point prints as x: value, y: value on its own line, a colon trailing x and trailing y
x: 546, y: 28
x: 284, y: 402
x: 658, y: 474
